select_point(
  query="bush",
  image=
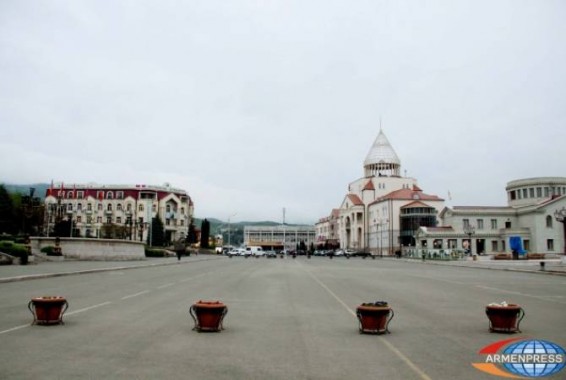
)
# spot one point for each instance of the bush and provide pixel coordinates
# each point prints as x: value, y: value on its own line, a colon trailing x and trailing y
x: 50, y: 251
x: 12, y: 249
x: 150, y: 252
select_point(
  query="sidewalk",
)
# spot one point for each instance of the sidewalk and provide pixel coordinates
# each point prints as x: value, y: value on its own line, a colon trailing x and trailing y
x: 551, y: 266
x: 10, y: 273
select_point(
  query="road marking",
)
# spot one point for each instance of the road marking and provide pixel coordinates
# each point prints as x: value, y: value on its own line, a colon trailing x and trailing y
x: 14, y: 328
x: 544, y: 298
x: 88, y: 308
x: 388, y: 344
x: 166, y: 285
x: 135, y: 295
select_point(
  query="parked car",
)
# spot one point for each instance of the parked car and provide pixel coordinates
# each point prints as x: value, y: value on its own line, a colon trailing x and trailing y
x: 236, y: 252
x: 270, y: 254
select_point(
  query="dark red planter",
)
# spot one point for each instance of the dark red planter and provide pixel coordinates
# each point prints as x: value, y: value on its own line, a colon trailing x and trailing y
x: 504, y: 319
x: 208, y: 315
x: 374, y: 319
x: 48, y: 310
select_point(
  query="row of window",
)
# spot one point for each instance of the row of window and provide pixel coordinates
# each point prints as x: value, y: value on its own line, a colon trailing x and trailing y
x: 494, y: 226
x: 536, y: 192
x: 109, y: 220
x: 495, y: 244
x: 119, y: 207
x: 80, y: 194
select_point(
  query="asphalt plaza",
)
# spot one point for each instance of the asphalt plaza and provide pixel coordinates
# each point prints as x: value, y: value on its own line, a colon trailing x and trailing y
x: 287, y: 319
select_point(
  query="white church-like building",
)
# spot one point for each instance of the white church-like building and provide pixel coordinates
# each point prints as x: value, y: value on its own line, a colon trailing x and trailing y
x: 385, y: 213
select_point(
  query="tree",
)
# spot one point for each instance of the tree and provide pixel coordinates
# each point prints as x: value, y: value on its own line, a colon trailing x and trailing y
x: 7, y: 212
x: 157, y: 235
x: 204, y: 233
x: 192, y: 235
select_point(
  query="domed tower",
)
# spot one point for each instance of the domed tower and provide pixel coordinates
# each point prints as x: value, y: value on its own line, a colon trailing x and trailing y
x: 382, y: 159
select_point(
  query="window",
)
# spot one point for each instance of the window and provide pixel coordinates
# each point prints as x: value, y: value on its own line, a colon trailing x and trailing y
x: 512, y: 195
x: 168, y: 208
x: 153, y: 208
x: 129, y: 207
x: 119, y: 195
x: 493, y: 224
x: 109, y: 195
x: 466, y: 223
x: 69, y: 207
x: 479, y: 224
x: 539, y: 192
x: 80, y: 194
x: 100, y: 207
x: 119, y: 207
x: 140, y: 208
x: 79, y: 219
x: 508, y: 224
x: 80, y: 207
x: 119, y: 220
x: 182, y: 222
x: 546, y: 191
x: 109, y: 207
x: 109, y: 220
x: 167, y: 222
x: 525, y: 193
x: 531, y: 192
x: 548, y: 221
x: 182, y: 210
x: 99, y: 219
x: 89, y: 206
x: 550, y: 244
x: 494, y: 246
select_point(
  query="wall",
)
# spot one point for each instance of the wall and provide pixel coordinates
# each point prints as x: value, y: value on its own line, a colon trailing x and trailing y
x: 93, y: 249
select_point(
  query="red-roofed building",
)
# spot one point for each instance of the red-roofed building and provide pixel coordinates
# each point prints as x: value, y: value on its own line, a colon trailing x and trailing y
x: 382, y: 210
x: 123, y: 211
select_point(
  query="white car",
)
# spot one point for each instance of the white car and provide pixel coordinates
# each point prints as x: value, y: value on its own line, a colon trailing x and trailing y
x: 237, y: 252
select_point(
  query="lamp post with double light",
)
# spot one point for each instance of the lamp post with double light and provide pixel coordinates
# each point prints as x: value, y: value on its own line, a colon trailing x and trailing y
x: 469, y: 230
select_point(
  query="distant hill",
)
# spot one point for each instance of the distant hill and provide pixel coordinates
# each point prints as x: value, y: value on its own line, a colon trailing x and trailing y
x: 40, y: 189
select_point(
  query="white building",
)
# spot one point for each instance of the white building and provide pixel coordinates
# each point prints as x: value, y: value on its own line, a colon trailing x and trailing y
x: 95, y: 209
x: 382, y: 210
x: 279, y: 237
x: 533, y: 215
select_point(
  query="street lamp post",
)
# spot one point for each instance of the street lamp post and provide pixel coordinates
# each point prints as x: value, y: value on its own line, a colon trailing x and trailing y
x: 560, y: 216
x: 469, y: 230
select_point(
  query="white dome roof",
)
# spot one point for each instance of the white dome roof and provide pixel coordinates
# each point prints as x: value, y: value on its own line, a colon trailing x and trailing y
x: 381, y: 152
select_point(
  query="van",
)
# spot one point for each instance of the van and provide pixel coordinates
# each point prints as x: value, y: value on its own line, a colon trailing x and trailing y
x: 254, y: 251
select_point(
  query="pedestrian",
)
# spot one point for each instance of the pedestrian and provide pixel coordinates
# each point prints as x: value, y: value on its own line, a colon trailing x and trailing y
x: 179, y: 249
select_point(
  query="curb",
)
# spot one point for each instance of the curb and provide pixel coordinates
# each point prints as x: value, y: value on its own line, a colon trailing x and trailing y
x: 98, y: 270
x: 546, y: 271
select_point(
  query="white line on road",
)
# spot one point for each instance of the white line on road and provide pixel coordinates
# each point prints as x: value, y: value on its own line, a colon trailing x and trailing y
x: 166, y: 285
x: 89, y: 308
x: 14, y: 328
x: 135, y: 295
x: 390, y: 346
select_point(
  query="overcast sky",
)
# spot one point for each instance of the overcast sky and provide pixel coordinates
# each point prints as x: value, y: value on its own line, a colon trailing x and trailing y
x: 252, y: 106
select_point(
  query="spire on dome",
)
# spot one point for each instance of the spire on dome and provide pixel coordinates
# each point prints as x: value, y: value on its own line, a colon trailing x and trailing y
x: 382, y: 159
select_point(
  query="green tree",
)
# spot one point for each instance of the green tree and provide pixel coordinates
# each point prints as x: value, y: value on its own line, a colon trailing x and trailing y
x: 157, y: 236
x: 192, y: 235
x: 204, y: 233
x: 8, y: 222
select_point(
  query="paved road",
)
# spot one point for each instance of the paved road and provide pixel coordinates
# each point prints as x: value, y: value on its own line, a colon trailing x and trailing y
x: 287, y: 319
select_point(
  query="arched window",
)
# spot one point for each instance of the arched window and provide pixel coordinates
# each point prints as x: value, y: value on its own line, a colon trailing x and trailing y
x: 140, y: 208
x: 549, y: 221
x: 109, y: 195
x: 109, y: 207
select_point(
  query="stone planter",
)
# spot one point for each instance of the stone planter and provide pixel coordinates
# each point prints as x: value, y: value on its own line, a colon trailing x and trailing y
x: 504, y: 318
x: 48, y: 310
x: 208, y: 315
x: 374, y: 318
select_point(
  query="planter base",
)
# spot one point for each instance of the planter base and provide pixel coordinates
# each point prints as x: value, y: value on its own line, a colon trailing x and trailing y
x: 208, y: 315
x: 48, y: 310
x: 374, y: 319
x: 504, y: 319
